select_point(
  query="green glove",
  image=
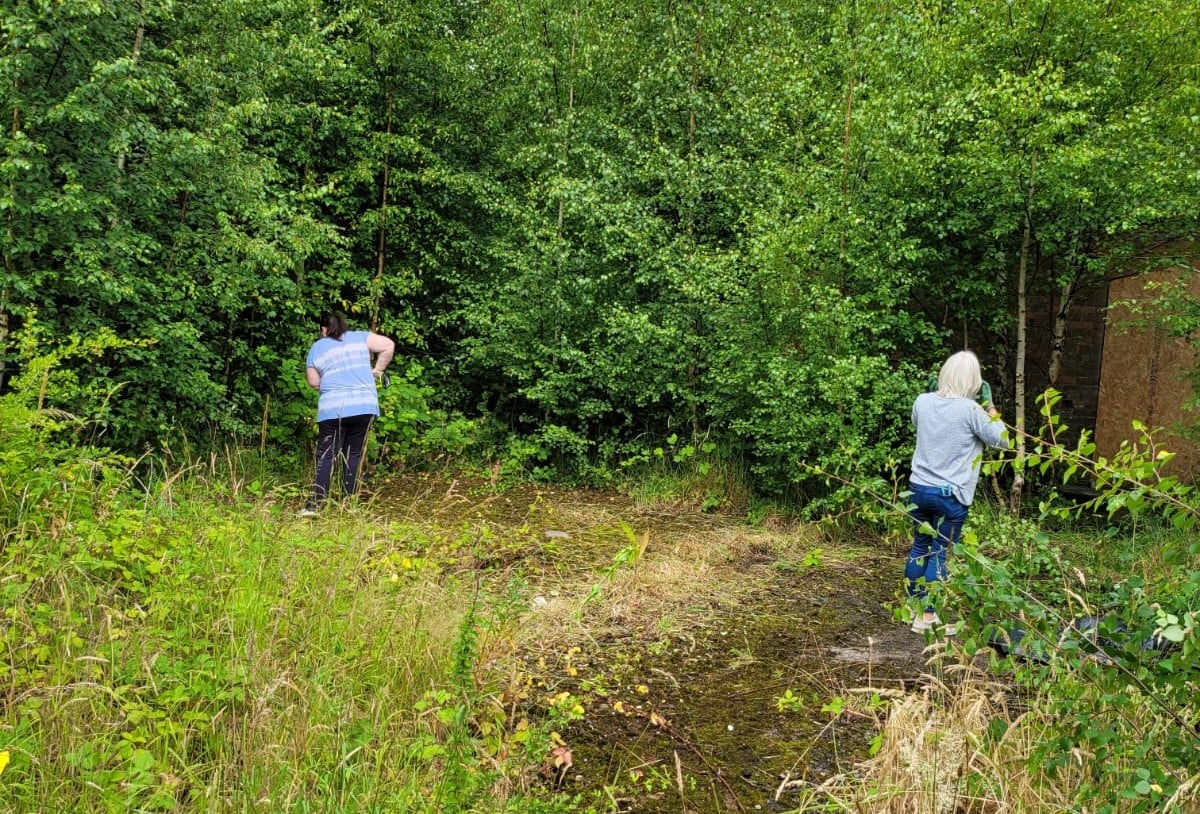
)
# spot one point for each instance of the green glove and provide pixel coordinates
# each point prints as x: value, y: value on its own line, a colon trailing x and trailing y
x: 984, y: 396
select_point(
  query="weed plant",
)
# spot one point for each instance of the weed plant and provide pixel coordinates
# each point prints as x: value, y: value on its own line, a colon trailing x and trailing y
x: 1094, y: 626
x: 179, y: 641
x: 1108, y: 652
x: 695, y: 474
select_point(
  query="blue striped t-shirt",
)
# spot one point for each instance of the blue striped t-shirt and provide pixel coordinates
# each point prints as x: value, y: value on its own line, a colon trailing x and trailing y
x: 347, y: 383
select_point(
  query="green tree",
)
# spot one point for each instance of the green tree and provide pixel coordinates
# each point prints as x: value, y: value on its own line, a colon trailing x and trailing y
x: 136, y: 203
x: 1045, y: 134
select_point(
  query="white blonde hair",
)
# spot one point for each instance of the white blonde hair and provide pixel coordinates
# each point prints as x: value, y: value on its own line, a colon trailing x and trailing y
x: 960, y: 376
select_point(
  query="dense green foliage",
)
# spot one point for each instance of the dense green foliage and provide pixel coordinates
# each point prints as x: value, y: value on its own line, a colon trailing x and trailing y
x: 591, y: 226
x: 1105, y: 641
x: 181, y: 642
x: 601, y: 232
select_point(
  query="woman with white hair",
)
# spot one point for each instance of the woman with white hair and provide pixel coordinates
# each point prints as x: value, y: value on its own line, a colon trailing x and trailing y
x: 952, y: 430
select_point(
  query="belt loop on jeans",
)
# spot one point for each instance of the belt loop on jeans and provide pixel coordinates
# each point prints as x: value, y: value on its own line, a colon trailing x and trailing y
x: 946, y: 490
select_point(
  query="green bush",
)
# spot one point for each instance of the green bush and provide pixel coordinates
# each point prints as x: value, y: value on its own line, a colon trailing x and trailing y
x: 1110, y: 658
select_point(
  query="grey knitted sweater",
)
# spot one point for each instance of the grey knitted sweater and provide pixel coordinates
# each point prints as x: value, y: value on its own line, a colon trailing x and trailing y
x: 951, y: 432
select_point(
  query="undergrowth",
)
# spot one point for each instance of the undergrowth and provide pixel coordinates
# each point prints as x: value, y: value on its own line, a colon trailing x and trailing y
x: 178, y: 641
x: 1088, y: 617
x: 175, y: 640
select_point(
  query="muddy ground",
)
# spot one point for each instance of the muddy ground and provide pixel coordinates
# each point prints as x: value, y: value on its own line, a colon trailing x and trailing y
x: 719, y: 666
x: 713, y: 729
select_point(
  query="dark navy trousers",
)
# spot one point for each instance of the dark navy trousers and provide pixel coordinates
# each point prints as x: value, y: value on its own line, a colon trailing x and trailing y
x: 937, y: 507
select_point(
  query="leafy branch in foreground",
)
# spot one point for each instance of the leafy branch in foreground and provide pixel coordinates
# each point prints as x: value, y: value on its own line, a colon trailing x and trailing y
x: 1103, y: 652
x: 1133, y: 480
x: 1111, y: 658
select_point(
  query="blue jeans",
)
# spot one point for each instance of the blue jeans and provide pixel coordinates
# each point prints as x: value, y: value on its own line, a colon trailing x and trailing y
x: 927, y: 560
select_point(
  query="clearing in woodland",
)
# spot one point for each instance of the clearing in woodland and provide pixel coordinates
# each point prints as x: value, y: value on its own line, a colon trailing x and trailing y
x: 718, y: 666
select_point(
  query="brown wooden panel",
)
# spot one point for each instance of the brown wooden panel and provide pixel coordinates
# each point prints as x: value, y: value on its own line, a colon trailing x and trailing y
x: 1143, y: 376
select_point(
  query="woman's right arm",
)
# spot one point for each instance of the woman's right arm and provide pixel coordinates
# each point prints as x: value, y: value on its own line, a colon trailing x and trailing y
x: 991, y: 429
x: 383, y: 348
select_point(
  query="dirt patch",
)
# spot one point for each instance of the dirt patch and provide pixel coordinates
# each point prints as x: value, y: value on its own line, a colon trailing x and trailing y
x: 720, y: 666
x: 767, y: 697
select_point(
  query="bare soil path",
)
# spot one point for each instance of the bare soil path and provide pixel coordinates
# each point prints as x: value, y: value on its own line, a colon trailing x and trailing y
x: 719, y: 665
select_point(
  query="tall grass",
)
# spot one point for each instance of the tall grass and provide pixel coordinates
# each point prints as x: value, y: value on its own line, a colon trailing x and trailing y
x: 182, y: 643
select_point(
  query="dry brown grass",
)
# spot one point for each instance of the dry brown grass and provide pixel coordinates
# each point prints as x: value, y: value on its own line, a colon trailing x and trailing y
x: 930, y: 741
x: 602, y: 565
x: 936, y: 757
x: 931, y: 745
x: 683, y: 571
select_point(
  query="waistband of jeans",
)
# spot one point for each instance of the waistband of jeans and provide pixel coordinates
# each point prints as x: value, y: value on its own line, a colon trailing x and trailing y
x: 945, y: 489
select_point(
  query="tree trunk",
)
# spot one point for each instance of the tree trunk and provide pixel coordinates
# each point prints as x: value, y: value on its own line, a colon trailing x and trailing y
x: 138, y: 36
x: 566, y: 145
x: 9, y: 264
x: 693, y: 94
x: 3, y: 331
x: 381, y: 244
x: 1018, y: 483
x: 846, y: 130
x: 693, y: 199
x: 1059, y: 333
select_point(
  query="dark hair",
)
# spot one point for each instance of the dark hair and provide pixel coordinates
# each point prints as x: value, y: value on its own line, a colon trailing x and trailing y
x: 335, y: 325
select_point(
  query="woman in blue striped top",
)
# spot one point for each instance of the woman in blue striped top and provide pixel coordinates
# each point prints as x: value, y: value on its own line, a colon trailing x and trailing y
x: 339, y: 365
